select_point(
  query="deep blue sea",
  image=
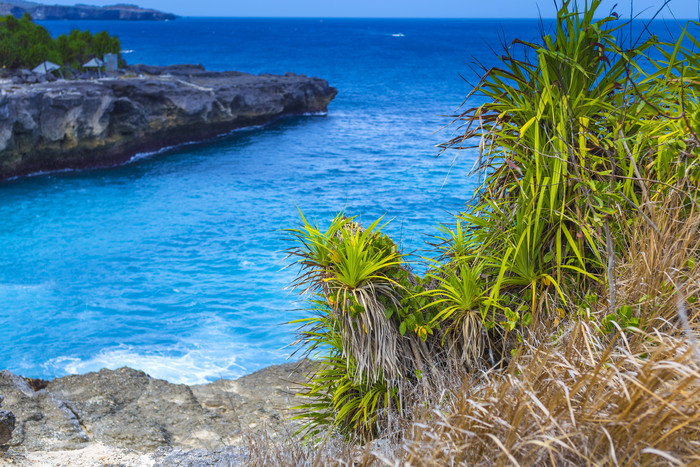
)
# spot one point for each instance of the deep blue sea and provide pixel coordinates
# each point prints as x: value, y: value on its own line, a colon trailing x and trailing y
x: 173, y: 263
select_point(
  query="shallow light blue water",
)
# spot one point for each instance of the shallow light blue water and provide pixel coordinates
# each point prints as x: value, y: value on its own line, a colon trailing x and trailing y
x: 172, y: 264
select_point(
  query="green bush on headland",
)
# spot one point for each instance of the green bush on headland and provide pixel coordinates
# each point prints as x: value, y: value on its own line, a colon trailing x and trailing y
x: 24, y: 44
x: 564, y: 298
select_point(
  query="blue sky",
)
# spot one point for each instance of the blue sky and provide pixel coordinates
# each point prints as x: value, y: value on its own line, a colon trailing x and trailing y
x: 393, y: 8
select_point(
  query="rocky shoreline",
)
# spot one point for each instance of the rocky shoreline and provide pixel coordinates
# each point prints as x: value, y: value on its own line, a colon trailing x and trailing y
x: 127, y: 413
x: 89, y: 123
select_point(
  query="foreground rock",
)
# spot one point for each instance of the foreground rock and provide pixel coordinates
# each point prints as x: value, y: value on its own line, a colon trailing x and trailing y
x: 7, y: 424
x: 97, y: 123
x: 128, y: 409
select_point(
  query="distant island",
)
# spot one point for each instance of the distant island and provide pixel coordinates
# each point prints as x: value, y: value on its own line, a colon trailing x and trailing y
x: 41, y: 12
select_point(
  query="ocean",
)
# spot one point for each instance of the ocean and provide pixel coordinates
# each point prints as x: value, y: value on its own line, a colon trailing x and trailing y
x: 175, y: 262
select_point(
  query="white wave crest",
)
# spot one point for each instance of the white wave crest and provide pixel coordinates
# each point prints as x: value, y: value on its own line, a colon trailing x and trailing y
x: 192, y: 367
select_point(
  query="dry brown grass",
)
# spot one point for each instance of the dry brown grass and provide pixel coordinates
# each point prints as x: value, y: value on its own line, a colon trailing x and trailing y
x: 655, y: 265
x: 261, y: 450
x: 576, y: 401
x: 585, y: 397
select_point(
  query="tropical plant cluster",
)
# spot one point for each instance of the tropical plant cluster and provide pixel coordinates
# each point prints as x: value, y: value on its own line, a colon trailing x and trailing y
x: 24, y: 44
x: 562, y: 303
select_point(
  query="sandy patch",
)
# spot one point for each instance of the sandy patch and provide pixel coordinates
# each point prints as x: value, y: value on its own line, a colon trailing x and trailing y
x: 94, y: 455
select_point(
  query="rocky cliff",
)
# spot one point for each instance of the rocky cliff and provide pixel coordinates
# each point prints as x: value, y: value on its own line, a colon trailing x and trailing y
x: 61, y: 12
x: 128, y: 409
x: 102, y: 122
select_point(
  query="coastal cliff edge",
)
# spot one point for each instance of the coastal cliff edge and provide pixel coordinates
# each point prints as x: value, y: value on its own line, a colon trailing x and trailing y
x: 126, y: 411
x: 76, y: 124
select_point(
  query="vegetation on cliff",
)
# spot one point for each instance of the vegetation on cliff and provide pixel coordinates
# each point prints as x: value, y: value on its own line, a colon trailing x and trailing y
x: 558, y: 316
x: 24, y: 44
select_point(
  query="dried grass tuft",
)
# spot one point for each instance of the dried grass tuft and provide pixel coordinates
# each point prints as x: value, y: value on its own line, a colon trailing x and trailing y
x: 574, y: 401
x: 631, y: 397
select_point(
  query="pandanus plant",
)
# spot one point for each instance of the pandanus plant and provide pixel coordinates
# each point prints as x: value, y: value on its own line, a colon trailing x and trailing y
x: 351, y: 268
x: 573, y: 133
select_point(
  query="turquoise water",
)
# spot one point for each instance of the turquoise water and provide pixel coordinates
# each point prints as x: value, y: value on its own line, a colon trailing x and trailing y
x: 173, y: 263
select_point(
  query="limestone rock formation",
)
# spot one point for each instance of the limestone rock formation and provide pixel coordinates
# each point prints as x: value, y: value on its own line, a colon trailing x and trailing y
x: 126, y: 408
x: 7, y: 424
x: 97, y: 123
x: 41, y: 419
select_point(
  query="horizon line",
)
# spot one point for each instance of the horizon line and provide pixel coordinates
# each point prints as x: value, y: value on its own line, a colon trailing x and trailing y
x: 390, y: 17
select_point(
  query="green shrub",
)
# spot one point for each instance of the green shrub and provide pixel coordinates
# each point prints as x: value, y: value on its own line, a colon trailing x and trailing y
x: 372, y: 325
x: 24, y: 44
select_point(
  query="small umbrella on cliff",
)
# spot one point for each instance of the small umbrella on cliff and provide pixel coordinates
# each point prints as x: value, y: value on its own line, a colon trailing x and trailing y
x: 95, y: 63
x: 45, y: 68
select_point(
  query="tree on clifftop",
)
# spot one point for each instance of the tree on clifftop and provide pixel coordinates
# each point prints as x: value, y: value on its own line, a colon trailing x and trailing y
x: 24, y: 44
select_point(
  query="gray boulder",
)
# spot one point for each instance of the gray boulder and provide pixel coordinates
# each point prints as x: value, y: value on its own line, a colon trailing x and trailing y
x: 126, y: 408
x: 7, y: 424
x: 129, y: 409
x: 42, y: 422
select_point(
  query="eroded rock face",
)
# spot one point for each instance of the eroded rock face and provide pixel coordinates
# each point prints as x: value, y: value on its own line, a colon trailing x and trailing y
x: 41, y: 420
x: 97, y: 123
x: 127, y: 408
x: 7, y: 424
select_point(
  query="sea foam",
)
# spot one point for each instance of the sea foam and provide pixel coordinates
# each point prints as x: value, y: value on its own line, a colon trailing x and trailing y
x: 191, y: 367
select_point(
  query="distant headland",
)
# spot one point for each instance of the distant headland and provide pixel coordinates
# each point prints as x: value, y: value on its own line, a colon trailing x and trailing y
x: 80, y: 11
